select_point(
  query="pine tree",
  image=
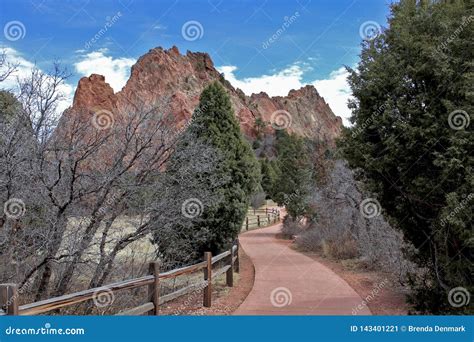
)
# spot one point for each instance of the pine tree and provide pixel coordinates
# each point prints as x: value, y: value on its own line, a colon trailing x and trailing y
x: 215, y: 124
x: 412, y: 139
x: 295, y: 174
x: 269, y: 176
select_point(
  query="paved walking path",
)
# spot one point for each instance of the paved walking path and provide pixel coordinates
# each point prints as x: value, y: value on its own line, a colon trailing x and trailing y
x: 289, y: 283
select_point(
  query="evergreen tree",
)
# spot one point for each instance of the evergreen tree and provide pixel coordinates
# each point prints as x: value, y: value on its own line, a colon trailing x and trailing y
x: 215, y: 124
x: 9, y: 106
x: 269, y: 176
x: 412, y: 138
x: 292, y: 186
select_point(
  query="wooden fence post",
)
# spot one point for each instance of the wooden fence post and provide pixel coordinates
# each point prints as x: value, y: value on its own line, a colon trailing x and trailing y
x: 268, y: 219
x: 258, y: 220
x: 207, y: 299
x: 154, y: 288
x: 237, y: 261
x: 247, y: 223
x: 229, y: 276
x: 9, y: 299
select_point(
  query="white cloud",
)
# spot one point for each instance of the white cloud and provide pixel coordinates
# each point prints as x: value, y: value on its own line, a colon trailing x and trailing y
x: 278, y: 84
x: 334, y: 89
x: 24, y: 68
x: 115, y: 70
x: 336, y: 92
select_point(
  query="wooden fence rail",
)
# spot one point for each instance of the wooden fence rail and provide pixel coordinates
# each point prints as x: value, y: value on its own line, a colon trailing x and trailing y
x: 9, y: 293
x: 270, y: 215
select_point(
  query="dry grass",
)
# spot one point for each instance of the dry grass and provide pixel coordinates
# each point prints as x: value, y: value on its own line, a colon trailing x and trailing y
x: 342, y: 249
x: 141, y: 250
x: 264, y: 222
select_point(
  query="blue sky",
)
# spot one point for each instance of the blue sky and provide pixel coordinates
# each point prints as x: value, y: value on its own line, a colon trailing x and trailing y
x: 260, y: 45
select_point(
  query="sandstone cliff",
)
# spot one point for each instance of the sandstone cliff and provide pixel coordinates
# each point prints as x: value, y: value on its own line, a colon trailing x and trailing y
x: 175, y: 81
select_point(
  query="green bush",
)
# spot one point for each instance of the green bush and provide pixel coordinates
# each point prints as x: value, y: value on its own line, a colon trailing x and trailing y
x: 411, y: 137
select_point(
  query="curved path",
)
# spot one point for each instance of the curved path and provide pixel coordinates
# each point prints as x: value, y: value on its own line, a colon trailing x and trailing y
x: 290, y: 283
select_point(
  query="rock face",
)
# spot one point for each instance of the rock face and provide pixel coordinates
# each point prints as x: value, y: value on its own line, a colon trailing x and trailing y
x: 175, y: 81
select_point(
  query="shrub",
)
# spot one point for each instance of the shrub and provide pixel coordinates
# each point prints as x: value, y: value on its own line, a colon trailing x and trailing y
x: 291, y: 227
x: 258, y: 199
x: 342, y: 249
x: 345, y: 231
x: 332, y: 245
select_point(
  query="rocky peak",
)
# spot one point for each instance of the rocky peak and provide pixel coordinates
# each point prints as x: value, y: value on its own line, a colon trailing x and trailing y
x: 93, y: 91
x: 167, y: 77
x: 308, y: 91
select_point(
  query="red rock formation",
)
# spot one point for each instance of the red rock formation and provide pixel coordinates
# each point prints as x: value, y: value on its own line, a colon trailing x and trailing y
x: 93, y: 91
x: 167, y: 78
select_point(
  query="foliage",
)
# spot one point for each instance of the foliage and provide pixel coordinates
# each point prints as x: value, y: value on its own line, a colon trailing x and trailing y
x: 189, y: 184
x: 9, y: 106
x: 416, y: 155
x: 295, y: 174
x: 269, y: 171
x: 340, y: 222
x: 291, y: 227
x: 215, y: 124
x: 258, y: 198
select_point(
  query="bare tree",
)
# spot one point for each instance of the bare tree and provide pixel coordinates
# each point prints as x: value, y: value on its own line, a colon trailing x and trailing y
x: 6, y: 68
x: 346, y: 217
x: 80, y: 178
x: 258, y: 199
x: 40, y: 94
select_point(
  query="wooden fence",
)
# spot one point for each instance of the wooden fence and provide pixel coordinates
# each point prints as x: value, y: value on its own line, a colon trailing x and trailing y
x: 9, y: 293
x: 262, y: 217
